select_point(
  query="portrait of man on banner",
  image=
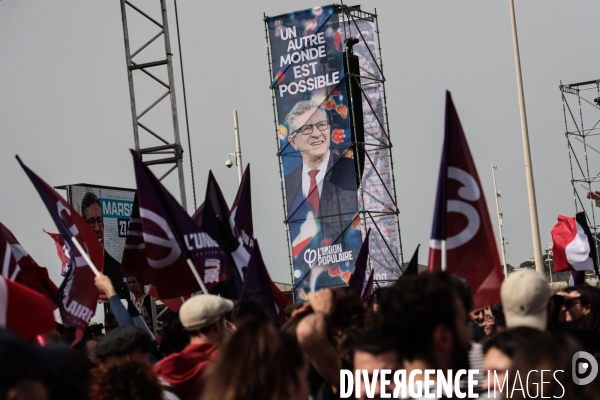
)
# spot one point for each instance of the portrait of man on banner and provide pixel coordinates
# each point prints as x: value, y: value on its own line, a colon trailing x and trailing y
x: 315, y: 147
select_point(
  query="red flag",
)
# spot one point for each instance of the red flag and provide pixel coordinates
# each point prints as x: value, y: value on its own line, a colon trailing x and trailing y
x: 461, y: 221
x: 24, y: 311
x: 161, y: 239
x: 77, y: 294
x: 61, y: 251
x: 28, y: 272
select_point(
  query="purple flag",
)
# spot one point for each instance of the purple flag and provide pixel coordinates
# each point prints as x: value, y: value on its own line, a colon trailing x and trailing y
x: 214, y: 217
x: 77, y: 295
x: 367, y: 289
x: 360, y: 266
x: 241, y: 213
x: 162, y: 237
x: 259, y: 287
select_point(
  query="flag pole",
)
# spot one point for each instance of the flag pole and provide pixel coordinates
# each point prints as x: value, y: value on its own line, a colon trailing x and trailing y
x: 85, y: 256
x: 197, y: 276
x: 535, y: 227
x: 500, y: 222
x: 444, y: 266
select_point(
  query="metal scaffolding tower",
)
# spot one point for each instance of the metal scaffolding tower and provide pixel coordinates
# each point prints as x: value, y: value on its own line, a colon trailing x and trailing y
x: 581, y: 109
x: 155, y: 150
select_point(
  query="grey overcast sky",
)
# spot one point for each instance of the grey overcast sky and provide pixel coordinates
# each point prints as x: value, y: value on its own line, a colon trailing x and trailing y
x: 64, y: 104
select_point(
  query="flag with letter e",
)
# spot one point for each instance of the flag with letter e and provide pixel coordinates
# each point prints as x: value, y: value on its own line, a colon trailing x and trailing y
x: 462, y: 238
x: 573, y: 245
x: 161, y: 239
x: 77, y: 295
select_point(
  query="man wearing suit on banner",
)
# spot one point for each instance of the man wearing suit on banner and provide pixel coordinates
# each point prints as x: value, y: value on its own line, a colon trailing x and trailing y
x: 325, y: 183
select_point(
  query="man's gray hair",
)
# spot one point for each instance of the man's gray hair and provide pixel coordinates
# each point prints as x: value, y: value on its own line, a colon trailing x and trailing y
x: 300, y: 108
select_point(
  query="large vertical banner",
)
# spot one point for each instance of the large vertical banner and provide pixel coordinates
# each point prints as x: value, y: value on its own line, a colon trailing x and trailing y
x: 315, y: 147
x: 377, y: 180
x: 108, y: 211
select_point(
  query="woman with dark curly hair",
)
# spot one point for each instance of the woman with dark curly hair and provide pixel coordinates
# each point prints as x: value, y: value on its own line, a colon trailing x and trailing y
x: 258, y: 362
x: 129, y: 380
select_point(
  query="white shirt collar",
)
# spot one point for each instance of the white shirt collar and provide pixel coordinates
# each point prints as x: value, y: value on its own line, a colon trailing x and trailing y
x: 320, y: 176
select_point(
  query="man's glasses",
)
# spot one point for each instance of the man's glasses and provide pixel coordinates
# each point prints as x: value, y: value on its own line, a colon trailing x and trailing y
x: 96, y: 221
x: 308, y: 129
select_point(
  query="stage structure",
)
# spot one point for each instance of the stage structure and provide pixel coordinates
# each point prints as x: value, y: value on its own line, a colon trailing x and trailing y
x: 331, y: 55
x: 581, y: 109
x: 154, y: 79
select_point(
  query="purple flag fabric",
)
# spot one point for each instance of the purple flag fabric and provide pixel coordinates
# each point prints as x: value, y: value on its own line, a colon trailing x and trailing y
x: 162, y: 237
x: 240, y: 218
x: 413, y: 266
x: 77, y: 295
x: 360, y: 266
x: 367, y: 289
x: 214, y: 218
x: 259, y: 287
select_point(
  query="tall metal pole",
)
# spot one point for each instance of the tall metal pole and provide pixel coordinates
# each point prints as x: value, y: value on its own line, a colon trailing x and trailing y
x: 535, y: 227
x: 502, y: 241
x: 238, y: 146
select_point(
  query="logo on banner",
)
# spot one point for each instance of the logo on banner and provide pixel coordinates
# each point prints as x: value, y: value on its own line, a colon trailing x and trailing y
x: 469, y: 191
x: 310, y: 256
x: 169, y: 243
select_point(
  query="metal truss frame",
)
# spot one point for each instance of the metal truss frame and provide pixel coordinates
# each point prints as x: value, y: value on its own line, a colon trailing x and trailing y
x: 169, y: 152
x: 581, y: 110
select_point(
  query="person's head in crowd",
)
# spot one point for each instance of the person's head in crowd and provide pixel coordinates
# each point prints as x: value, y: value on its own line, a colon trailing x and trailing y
x: 582, y: 307
x: 258, y: 362
x: 89, y: 350
x: 556, y: 314
x: 244, y: 309
x: 174, y: 337
x: 548, y: 352
x: 373, y: 350
x: 128, y: 380
x: 497, y: 313
x: 53, y: 337
x: 91, y: 211
x: 204, y: 318
x: 428, y: 310
x: 124, y: 343
x: 525, y: 295
x: 135, y: 285
x: 563, y: 293
x: 310, y: 132
x: 110, y: 322
x: 478, y: 316
x: 489, y: 325
x: 499, y: 351
x: 26, y: 369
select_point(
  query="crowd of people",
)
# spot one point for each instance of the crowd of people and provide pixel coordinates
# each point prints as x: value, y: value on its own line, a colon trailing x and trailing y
x: 214, y: 348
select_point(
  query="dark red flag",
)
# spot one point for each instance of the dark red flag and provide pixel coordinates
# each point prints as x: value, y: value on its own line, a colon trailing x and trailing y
x: 360, y: 266
x: 77, y: 294
x: 162, y: 237
x: 461, y: 223
x: 61, y: 251
x: 24, y: 311
x: 259, y: 287
x: 27, y: 271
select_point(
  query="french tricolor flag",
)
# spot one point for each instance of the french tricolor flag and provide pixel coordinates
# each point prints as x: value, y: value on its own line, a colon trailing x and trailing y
x: 573, y: 246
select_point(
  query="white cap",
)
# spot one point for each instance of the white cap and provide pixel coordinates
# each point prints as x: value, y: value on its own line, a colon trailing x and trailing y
x: 525, y: 295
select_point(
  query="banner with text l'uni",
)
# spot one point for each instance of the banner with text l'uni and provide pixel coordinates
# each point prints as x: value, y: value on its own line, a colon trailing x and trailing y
x: 315, y: 147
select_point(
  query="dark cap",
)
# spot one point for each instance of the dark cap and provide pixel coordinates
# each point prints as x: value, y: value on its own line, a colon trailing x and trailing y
x: 20, y: 359
x: 122, y: 340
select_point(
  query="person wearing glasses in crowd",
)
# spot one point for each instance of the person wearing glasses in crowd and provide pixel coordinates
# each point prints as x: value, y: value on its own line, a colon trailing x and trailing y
x: 92, y: 213
x: 325, y: 183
